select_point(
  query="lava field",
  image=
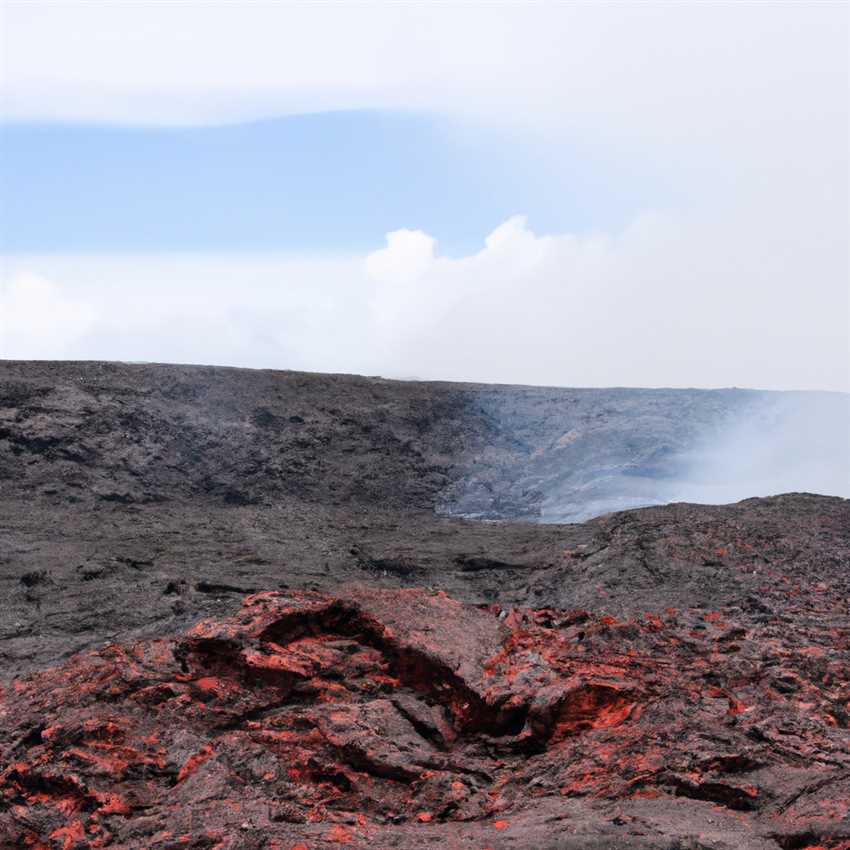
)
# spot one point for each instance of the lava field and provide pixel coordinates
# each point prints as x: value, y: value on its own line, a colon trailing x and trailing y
x: 308, y: 655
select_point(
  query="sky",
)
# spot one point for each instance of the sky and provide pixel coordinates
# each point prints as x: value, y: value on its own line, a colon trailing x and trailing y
x: 641, y: 194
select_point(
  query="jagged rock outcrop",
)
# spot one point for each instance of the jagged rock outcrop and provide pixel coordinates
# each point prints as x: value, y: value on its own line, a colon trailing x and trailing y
x: 402, y: 718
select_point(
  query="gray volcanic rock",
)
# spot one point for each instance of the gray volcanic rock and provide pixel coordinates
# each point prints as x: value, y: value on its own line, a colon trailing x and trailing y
x: 135, y: 498
x: 669, y: 676
x: 95, y: 433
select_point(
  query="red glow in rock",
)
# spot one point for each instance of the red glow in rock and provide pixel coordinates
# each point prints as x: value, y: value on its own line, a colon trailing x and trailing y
x: 313, y: 721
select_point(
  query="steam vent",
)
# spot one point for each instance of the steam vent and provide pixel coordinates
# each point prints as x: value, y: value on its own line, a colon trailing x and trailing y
x: 252, y: 610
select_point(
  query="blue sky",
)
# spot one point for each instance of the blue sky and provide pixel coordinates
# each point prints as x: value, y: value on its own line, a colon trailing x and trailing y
x: 330, y: 182
x: 648, y: 194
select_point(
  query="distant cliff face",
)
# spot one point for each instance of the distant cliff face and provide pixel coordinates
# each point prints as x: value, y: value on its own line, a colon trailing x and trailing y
x: 140, y: 434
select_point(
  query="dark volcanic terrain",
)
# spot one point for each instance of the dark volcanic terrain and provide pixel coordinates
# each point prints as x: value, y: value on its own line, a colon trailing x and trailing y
x: 243, y: 610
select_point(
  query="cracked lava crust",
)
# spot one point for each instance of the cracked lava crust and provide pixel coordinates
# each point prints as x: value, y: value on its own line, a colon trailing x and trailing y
x: 405, y: 718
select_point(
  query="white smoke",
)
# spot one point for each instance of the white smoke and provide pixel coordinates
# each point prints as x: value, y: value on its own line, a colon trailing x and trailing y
x: 792, y: 442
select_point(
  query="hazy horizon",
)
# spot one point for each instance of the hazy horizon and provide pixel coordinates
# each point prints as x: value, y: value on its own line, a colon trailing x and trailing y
x: 419, y: 379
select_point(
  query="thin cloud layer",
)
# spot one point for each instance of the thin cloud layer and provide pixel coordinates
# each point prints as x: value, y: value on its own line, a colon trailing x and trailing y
x: 654, y: 68
x: 707, y: 97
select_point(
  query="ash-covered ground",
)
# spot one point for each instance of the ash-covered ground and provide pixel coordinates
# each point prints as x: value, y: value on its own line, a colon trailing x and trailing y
x: 240, y: 610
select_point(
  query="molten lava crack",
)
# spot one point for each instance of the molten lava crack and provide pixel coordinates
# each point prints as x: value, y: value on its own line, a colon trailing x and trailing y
x: 328, y: 720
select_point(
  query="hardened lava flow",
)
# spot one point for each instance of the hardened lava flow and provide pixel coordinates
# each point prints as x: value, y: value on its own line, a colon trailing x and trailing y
x: 404, y: 718
x: 259, y: 610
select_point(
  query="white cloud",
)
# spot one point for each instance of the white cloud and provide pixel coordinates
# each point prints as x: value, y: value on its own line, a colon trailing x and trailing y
x: 37, y: 321
x: 406, y: 258
x: 738, y: 110
x: 649, y: 306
